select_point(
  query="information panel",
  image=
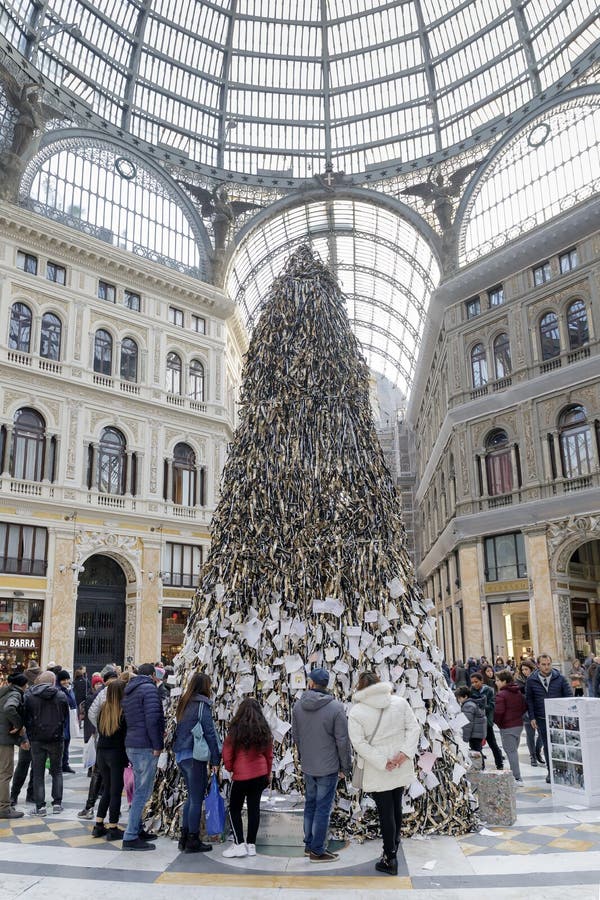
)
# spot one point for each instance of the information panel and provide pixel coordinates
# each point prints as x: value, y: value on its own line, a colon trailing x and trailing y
x: 574, y: 741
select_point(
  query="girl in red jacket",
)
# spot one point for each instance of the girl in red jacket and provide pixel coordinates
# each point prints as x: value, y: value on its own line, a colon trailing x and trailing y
x: 508, y: 716
x: 248, y: 755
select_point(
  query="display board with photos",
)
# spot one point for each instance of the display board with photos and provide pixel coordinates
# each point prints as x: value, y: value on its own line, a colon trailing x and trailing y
x: 564, y: 738
x: 573, y: 725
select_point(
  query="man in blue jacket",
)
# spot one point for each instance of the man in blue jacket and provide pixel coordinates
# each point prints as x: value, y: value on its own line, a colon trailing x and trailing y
x: 544, y: 684
x: 145, y: 739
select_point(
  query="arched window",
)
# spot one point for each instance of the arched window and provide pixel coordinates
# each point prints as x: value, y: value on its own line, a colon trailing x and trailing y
x: 479, y: 371
x: 498, y: 463
x: 19, y: 335
x: 502, y: 362
x: 575, y: 436
x: 197, y: 380
x: 111, y: 462
x: 103, y: 349
x: 129, y: 360
x: 184, y: 475
x: 50, y: 336
x: 549, y: 336
x: 29, y: 443
x: 577, y: 325
x: 173, y: 373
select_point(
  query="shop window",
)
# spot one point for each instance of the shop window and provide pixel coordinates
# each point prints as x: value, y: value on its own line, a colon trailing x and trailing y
x: 498, y: 464
x: 50, y: 336
x: 199, y: 324
x: 29, y: 445
x: 197, y: 380
x: 23, y: 549
x: 107, y: 292
x: 103, y: 346
x: 505, y: 557
x: 174, y: 622
x: 20, y: 633
x: 542, y: 273
x: 56, y: 273
x: 173, y: 373
x: 132, y: 301
x: 19, y: 334
x: 184, y: 475
x: 496, y: 295
x: 502, y: 361
x: 549, y: 336
x: 479, y: 370
x: 473, y: 307
x: 176, y: 316
x: 577, y: 325
x: 129, y: 360
x: 181, y: 564
x: 576, y: 448
x: 27, y: 262
x: 111, y: 462
x: 568, y: 260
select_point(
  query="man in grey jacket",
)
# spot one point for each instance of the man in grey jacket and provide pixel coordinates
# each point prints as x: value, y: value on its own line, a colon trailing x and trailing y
x: 320, y: 732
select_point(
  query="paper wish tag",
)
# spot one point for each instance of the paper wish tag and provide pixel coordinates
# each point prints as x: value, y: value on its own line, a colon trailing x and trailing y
x: 353, y: 648
x: 252, y: 631
x: 412, y: 677
x: 298, y: 680
x: 264, y: 674
x: 219, y: 592
x: 341, y: 666
x: 331, y: 653
x: 245, y: 685
x: 329, y: 605
x: 273, y: 698
x: 371, y: 615
x: 431, y: 781
x: 416, y: 789
x: 293, y: 663
x: 458, y: 772
x: 391, y: 612
x: 396, y: 588
x: 280, y: 729
x: 426, y: 761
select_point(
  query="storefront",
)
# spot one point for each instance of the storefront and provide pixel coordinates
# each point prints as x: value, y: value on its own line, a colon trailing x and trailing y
x: 20, y: 633
x: 174, y: 620
x: 510, y: 628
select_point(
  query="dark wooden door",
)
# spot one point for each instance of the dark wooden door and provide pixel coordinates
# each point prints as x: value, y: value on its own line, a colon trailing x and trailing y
x: 100, y: 618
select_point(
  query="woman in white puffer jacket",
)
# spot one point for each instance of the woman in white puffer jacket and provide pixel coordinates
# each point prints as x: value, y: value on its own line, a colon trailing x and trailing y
x: 385, y: 735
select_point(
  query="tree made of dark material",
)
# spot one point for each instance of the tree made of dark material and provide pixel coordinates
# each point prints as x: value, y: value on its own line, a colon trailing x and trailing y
x: 308, y: 564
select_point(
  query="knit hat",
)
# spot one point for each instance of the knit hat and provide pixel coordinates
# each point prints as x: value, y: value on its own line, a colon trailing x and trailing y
x: 320, y: 676
x: 97, y: 679
x: 46, y: 678
x: 19, y: 680
x: 63, y: 675
x: 107, y: 674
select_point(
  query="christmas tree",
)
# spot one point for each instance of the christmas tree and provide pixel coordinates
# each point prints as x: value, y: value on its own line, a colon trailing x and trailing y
x: 308, y: 564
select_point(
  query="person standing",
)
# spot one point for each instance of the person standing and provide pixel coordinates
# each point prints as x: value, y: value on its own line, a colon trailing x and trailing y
x: 475, y: 729
x: 145, y: 740
x: 459, y: 675
x: 32, y: 671
x: 508, y: 716
x: 384, y: 734
x: 484, y: 695
x: 320, y: 733
x: 111, y: 761
x: 89, y: 734
x: 533, y: 737
x: 81, y: 685
x: 195, y: 705
x: 63, y: 680
x: 12, y: 733
x: 544, y: 684
x: 46, y: 710
x: 248, y: 755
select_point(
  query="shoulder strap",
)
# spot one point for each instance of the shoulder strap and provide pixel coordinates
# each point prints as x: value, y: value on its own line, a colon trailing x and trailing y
x: 377, y: 726
x: 200, y: 710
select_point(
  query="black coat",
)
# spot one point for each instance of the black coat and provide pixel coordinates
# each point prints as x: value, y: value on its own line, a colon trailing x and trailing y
x: 536, y: 694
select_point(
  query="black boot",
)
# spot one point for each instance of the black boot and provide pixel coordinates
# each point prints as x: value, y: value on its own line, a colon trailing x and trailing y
x: 534, y: 761
x: 195, y: 845
x: 183, y: 838
x: 388, y: 864
x: 540, y: 758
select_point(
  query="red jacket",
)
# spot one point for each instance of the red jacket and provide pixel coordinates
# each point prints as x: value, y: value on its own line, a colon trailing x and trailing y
x: 510, y: 706
x: 245, y: 764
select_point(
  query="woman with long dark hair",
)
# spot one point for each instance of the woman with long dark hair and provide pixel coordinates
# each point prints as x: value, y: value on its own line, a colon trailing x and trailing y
x: 248, y: 755
x: 384, y: 733
x: 194, y: 705
x: 111, y: 760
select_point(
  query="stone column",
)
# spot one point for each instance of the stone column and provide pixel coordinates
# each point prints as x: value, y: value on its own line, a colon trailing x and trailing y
x: 47, y: 473
x: 127, y: 479
x: 169, y: 491
x: 59, y: 612
x: 8, y: 449
x: 94, y: 478
x: 546, y: 634
x: 471, y: 597
x: 150, y: 611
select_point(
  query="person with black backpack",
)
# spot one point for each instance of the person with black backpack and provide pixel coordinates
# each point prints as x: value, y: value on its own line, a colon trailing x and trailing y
x: 475, y: 729
x: 46, y: 711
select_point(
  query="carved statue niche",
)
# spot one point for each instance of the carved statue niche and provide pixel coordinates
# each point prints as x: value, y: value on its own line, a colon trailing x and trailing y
x: 217, y: 206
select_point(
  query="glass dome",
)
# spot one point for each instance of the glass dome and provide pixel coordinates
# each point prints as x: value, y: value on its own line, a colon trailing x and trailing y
x: 293, y: 87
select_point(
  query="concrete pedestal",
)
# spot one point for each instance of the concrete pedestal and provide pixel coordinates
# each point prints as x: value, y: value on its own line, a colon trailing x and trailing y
x: 496, y: 793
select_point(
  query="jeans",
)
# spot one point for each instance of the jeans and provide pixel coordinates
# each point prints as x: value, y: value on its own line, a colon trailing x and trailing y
x: 319, y: 791
x: 40, y: 751
x: 195, y: 775
x: 510, y: 743
x: 541, y: 724
x: 110, y: 764
x: 7, y: 758
x: 534, y: 741
x: 144, y: 764
x: 389, y: 807
x: 249, y: 790
x: 476, y: 745
x: 20, y: 776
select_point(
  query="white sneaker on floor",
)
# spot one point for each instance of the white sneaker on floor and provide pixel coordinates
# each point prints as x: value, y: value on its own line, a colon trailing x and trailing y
x: 251, y: 849
x: 236, y: 850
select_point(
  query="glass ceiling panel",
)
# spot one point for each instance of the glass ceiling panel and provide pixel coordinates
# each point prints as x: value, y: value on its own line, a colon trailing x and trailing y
x: 295, y: 85
x: 385, y: 267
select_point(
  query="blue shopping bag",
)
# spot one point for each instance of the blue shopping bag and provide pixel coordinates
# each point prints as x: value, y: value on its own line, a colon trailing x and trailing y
x: 214, y: 807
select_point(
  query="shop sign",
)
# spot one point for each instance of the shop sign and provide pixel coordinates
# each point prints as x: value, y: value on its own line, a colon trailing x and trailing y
x: 17, y: 644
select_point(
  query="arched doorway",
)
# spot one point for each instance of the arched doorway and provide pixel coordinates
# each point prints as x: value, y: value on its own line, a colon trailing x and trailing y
x: 583, y: 573
x: 100, y: 618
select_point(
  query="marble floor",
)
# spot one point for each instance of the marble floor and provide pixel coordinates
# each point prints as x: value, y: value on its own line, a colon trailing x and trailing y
x: 549, y: 849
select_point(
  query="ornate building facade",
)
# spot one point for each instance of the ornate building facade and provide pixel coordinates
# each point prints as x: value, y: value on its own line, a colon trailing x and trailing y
x: 117, y: 389
x: 505, y: 416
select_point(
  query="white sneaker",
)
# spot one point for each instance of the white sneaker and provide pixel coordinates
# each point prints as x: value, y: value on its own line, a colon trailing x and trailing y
x: 251, y: 849
x: 236, y: 850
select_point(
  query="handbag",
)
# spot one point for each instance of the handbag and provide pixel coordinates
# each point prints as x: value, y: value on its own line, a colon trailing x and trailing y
x: 358, y: 768
x: 214, y: 809
x: 128, y: 782
x: 201, y: 750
